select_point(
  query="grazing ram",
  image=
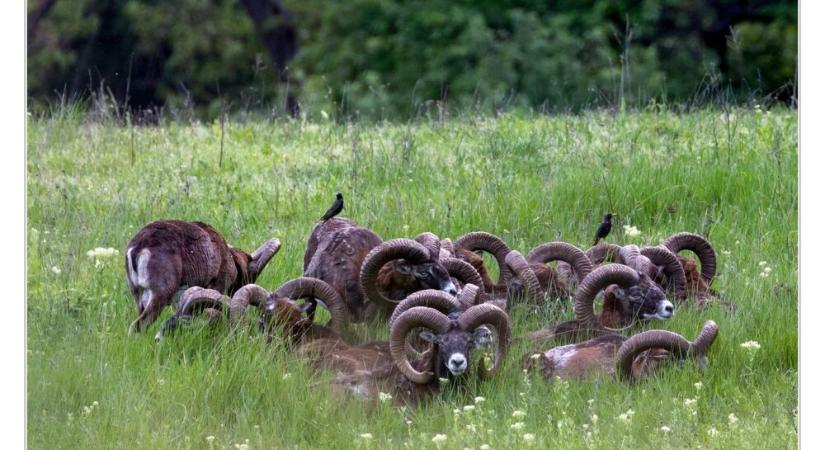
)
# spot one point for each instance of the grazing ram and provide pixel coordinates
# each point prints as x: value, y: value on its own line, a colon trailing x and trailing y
x: 371, y: 275
x: 631, y: 358
x: 167, y: 256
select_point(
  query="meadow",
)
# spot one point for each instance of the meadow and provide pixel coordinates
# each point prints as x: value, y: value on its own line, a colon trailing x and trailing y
x: 528, y: 178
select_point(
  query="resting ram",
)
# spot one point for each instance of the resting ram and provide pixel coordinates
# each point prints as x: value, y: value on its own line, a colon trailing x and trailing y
x: 631, y: 358
x: 371, y: 275
x: 629, y: 296
x: 366, y: 370
x: 686, y: 282
x: 167, y: 256
x: 531, y: 277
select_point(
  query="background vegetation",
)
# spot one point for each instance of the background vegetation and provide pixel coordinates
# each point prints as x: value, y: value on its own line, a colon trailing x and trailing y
x: 730, y: 175
x: 396, y: 60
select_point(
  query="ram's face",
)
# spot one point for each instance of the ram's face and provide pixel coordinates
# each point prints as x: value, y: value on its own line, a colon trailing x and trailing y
x: 429, y: 276
x: 645, y: 300
x: 455, y: 347
x: 281, y: 313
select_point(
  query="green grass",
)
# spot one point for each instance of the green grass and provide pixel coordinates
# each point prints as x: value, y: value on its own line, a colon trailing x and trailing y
x: 530, y: 179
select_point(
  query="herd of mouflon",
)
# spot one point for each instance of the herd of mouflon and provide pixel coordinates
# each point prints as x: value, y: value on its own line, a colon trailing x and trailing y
x: 436, y: 296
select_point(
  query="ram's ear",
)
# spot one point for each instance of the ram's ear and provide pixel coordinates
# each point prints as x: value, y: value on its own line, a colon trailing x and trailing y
x: 428, y: 336
x: 482, y: 337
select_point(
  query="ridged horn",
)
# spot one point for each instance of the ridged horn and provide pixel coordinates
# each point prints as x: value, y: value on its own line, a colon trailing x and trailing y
x: 407, y: 249
x: 597, y: 280
x: 462, y: 271
x: 486, y: 313
x: 482, y: 240
x: 518, y: 265
x: 562, y: 251
x: 251, y: 294
x: 630, y: 255
x: 604, y: 253
x: 663, y: 257
x: 469, y: 295
x: 431, y: 242
x: 698, y: 245
x: 439, y: 300
x: 200, y: 297
x: 447, y: 245
x: 707, y: 336
x: 631, y: 348
x: 261, y: 257
x: 313, y: 287
x: 416, y: 317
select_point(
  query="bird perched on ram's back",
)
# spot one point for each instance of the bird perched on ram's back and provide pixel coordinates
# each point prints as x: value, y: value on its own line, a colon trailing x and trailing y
x: 604, y: 228
x: 337, y: 207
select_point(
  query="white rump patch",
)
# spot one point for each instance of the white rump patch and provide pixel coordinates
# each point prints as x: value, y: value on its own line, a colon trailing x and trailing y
x: 560, y: 355
x: 142, y: 268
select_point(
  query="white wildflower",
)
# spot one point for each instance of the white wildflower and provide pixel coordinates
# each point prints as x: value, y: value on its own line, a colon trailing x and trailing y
x: 517, y: 414
x: 517, y: 426
x: 384, y: 397
x: 471, y: 427
x: 698, y: 385
x: 535, y: 356
x: 529, y: 438
x: 762, y: 263
x: 484, y: 447
x: 102, y: 252
x: 713, y: 432
x: 56, y: 270
x: 750, y: 345
x: 98, y: 264
x: 242, y: 446
x: 456, y: 411
x: 665, y: 429
x: 469, y: 408
x: 631, y: 231
x: 726, y: 252
x: 690, y: 402
x: 594, y: 418
x: 624, y: 417
x: 286, y: 376
x: 767, y: 270
x: 440, y: 438
x: 210, y: 439
x: 732, y: 419
x: 478, y: 400
x: 590, y: 402
x: 366, y: 436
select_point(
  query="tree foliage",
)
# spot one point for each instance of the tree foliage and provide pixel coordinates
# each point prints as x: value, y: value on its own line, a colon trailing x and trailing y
x: 389, y: 59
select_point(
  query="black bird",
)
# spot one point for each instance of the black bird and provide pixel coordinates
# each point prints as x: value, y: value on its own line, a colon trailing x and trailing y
x: 604, y: 228
x: 336, y: 207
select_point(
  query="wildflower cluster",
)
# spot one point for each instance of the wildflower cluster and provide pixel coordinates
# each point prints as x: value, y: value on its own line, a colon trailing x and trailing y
x: 766, y: 271
x: 631, y: 231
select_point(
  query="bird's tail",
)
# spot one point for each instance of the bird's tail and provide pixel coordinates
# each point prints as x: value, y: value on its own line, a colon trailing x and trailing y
x: 596, y: 240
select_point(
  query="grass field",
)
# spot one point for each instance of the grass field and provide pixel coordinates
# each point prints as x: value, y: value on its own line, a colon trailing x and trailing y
x: 530, y: 179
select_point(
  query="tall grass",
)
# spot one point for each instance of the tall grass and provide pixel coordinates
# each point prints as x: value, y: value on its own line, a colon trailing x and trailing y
x: 530, y: 179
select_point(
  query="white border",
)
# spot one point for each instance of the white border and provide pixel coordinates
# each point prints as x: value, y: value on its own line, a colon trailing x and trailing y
x: 12, y: 183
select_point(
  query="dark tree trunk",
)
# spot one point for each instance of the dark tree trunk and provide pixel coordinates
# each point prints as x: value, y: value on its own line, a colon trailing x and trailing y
x: 275, y: 27
x: 34, y: 17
